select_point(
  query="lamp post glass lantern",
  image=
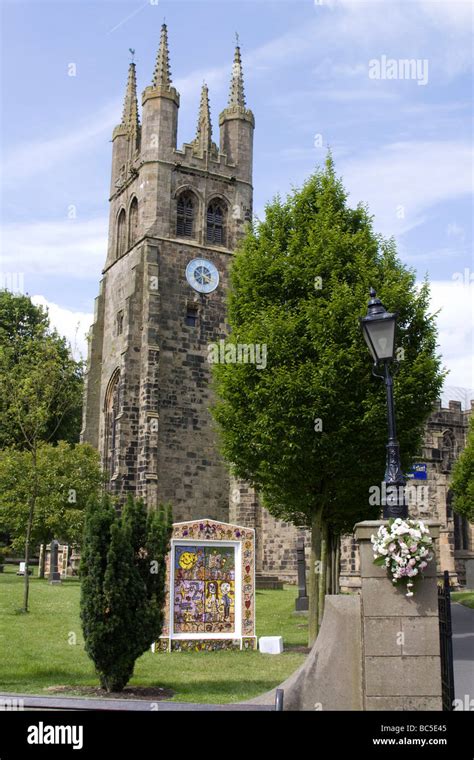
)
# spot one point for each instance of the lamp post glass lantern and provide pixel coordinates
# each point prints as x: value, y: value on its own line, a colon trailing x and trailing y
x: 378, y: 329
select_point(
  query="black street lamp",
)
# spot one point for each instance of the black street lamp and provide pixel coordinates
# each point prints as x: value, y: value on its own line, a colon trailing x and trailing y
x: 378, y: 329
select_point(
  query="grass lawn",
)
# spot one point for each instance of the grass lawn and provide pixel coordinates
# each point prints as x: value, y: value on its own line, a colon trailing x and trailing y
x: 464, y: 597
x: 37, y: 653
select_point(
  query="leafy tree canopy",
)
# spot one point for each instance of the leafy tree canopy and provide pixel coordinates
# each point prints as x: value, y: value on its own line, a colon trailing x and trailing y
x: 299, y: 283
x: 462, y: 482
x: 25, y: 338
x: 68, y: 477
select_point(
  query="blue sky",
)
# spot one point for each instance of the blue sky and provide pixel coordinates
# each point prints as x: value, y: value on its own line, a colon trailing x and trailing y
x: 402, y: 145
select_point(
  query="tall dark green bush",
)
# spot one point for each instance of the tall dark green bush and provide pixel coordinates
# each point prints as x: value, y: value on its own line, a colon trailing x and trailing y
x: 123, y: 585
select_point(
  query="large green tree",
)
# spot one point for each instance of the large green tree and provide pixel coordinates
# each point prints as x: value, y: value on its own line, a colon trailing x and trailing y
x: 308, y: 430
x: 462, y: 483
x: 21, y: 325
x: 69, y: 478
x: 39, y: 388
x: 123, y: 568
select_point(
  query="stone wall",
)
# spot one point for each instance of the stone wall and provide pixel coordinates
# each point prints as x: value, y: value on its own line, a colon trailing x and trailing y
x: 444, y: 440
x: 148, y: 384
x: 275, y: 539
x: 400, y: 636
x: 376, y: 649
x: 445, y: 437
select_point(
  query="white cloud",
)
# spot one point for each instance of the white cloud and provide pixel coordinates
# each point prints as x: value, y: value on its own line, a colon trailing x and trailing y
x: 371, y: 94
x: 402, y: 180
x: 368, y: 27
x: 454, y: 230
x: 456, y: 328
x: 70, y: 248
x: 37, y: 156
x: 456, y: 14
x: 73, y: 325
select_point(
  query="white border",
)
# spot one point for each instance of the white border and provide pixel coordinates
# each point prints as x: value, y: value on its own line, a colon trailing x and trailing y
x: 237, y: 632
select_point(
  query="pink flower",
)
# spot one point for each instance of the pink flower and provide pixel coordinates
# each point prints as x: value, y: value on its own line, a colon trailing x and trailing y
x: 412, y: 562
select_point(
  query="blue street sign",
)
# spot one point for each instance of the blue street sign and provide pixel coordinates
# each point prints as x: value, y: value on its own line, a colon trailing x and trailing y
x: 419, y: 471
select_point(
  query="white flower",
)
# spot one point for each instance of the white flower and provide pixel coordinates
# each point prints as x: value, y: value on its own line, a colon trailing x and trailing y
x: 404, y: 548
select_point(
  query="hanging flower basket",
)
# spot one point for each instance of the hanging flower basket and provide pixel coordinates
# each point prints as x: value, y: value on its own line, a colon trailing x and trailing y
x: 404, y: 547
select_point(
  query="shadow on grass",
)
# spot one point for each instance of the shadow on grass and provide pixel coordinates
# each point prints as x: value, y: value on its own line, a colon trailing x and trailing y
x: 198, y: 691
x: 49, y: 679
x: 243, y: 690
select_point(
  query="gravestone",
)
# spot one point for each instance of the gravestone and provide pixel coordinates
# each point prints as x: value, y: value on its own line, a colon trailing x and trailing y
x: 470, y: 574
x: 22, y: 569
x: 62, y: 560
x: 54, y: 575
x: 210, y: 588
x: 302, y: 602
x: 270, y: 644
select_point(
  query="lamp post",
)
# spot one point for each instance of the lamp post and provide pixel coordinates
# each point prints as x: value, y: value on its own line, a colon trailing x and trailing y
x: 378, y: 328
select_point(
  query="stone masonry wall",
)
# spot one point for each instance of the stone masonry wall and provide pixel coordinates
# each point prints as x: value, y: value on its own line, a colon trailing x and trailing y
x: 445, y: 436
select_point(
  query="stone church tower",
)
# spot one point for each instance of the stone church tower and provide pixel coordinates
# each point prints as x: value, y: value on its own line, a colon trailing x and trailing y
x: 176, y: 216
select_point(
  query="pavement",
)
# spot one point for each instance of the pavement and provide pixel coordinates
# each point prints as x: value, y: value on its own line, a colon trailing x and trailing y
x: 463, y: 650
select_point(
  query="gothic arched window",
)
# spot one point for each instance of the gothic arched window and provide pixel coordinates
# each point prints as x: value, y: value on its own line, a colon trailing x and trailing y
x: 448, y: 451
x: 133, y: 223
x: 215, y: 223
x: 461, y: 533
x: 185, y: 215
x: 111, y: 411
x: 121, y: 233
x: 449, y: 504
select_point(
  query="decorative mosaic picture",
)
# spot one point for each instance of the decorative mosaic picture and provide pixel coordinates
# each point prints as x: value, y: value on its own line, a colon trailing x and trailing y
x: 204, y: 589
x: 210, y: 588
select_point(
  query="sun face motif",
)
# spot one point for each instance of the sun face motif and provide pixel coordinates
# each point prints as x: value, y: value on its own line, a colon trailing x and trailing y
x: 187, y: 560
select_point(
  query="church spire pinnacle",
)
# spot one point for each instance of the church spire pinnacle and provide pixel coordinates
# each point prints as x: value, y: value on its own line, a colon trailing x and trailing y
x: 203, y: 140
x: 130, y: 106
x: 162, y: 74
x: 129, y: 127
x: 236, y: 92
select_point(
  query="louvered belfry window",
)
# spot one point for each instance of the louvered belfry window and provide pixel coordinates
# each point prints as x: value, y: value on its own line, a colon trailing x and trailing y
x: 121, y: 233
x: 215, y: 223
x: 185, y: 216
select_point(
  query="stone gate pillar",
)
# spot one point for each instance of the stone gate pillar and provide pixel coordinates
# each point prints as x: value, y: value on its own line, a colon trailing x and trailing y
x: 400, y: 635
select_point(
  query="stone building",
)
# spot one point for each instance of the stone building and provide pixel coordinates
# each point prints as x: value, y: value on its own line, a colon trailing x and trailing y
x: 430, y: 499
x: 176, y: 215
x: 445, y: 438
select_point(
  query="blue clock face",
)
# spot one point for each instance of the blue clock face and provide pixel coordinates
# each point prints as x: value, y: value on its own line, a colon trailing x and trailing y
x: 202, y: 275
